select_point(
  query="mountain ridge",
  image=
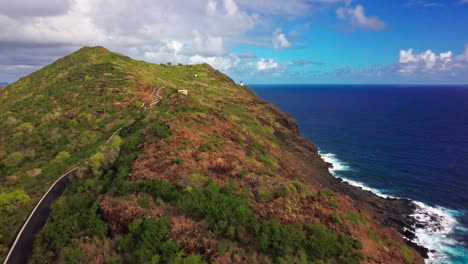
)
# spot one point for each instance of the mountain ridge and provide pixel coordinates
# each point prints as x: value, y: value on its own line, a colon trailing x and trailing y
x: 174, y: 169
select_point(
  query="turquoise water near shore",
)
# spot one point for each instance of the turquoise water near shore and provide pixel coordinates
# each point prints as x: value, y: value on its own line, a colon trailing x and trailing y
x: 395, y: 140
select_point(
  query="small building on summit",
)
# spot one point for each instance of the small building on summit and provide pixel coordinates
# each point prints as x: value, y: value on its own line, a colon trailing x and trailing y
x: 241, y: 83
x: 184, y: 92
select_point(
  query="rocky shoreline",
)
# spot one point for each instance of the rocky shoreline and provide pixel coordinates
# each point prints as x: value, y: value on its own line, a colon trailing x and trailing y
x: 393, y: 212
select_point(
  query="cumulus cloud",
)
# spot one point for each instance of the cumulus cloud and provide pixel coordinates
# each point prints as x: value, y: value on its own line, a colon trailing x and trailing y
x: 154, y: 30
x: 266, y: 64
x: 430, y: 62
x: 279, y: 40
x: 359, y: 19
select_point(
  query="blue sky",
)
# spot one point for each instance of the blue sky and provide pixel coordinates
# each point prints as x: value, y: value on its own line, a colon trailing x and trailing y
x: 268, y: 41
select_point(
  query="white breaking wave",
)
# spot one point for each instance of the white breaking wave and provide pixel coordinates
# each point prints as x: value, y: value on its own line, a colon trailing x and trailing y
x: 433, y: 224
x: 338, y: 165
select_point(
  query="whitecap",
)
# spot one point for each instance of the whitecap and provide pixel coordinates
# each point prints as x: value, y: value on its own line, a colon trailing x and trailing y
x: 432, y: 229
x: 339, y: 165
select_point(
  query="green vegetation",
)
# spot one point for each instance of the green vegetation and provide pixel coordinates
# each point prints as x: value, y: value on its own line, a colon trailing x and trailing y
x: 335, y: 218
x: 259, y: 152
x: 407, y: 254
x: 211, y: 167
x: 161, y: 130
x: 177, y: 161
x: 375, y: 238
x: 146, y: 242
x: 354, y: 218
x: 11, y: 200
x: 330, y: 198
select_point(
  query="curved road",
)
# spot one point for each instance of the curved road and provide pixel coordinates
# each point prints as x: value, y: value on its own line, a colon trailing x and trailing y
x: 22, y: 248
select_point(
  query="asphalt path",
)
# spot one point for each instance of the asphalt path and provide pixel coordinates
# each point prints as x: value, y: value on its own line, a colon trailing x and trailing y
x: 22, y: 248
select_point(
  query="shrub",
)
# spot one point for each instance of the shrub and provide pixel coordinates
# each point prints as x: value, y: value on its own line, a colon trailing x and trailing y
x: 285, y: 190
x: 330, y: 198
x: 267, y: 159
x: 263, y: 194
x: 159, y: 189
x: 95, y: 164
x: 9, y: 201
x: 195, y: 179
x: 161, y: 130
x: 335, y: 218
x: 147, y: 242
x: 243, y: 173
x: 282, y: 240
x: 353, y: 218
x: 71, y: 254
x: 222, y: 208
x: 14, y: 159
x: 61, y: 157
x: 25, y: 127
x: 206, y: 147
x: 325, y: 244
x: 177, y: 161
x: 300, y: 187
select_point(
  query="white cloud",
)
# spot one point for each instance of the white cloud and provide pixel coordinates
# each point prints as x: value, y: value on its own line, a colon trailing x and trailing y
x: 266, y: 64
x: 279, y: 40
x: 359, y: 19
x: 154, y: 30
x: 221, y: 63
x: 201, y: 25
x: 208, y: 44
x: 429, y: 62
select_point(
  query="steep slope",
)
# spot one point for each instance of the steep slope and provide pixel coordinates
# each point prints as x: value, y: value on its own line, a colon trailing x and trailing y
x: 216, y: 176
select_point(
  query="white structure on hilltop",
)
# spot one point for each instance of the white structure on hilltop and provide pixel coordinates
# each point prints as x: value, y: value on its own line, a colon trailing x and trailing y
x: 241, y: 83
x: 185, y: 92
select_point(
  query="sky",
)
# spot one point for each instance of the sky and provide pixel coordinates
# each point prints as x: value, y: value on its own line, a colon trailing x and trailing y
x: 257, y: 41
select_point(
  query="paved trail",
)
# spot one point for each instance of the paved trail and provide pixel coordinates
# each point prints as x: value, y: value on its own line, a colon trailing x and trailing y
x: 22, y: 248
x: 156, y: 97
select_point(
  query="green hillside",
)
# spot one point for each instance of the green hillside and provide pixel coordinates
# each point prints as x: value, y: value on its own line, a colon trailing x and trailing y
x: 218, y: 176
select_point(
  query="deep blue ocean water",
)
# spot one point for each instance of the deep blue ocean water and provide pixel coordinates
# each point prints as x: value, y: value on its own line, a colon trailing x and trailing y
x: 396, y: 140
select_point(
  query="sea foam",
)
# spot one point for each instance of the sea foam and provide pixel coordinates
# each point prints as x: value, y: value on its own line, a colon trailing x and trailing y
x: 432, y: 224
x: 339, y: 165
x: 432, y: 229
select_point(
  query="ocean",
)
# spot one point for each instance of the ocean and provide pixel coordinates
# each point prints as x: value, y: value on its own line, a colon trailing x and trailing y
x: 394, y: 140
